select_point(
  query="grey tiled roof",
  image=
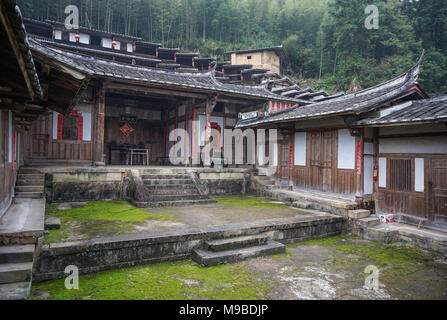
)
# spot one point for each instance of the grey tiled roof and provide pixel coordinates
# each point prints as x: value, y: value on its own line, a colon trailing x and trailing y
x: 16, y: 19
x: 427, y: 110
x: 354, y: 103
x: 101, y: 68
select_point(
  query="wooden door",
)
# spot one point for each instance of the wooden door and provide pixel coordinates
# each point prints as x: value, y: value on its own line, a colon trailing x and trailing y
x: 40, y: 138
x: 321, y: 159
x: 284, y: 165
x: 438, y: 184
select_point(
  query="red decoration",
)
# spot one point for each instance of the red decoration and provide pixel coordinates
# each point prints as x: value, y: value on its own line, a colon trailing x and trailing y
x: 375, y: 173
x: 186, y: 129
x: 80, y: 128
x: 60, y: 124
x: 134, y: 48
x: 291, y: 156
x: 215, y: 125
x: 77, y: 37
x: 359, y: 157
x: 114, y: 44
x: 126, y: 129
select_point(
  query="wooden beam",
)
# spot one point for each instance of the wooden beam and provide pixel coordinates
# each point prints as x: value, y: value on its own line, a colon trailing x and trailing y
x: 153, y: 90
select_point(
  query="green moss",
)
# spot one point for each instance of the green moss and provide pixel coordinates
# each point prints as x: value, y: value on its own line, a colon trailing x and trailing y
x: 165, y: 281
x: 245, y: 201
x: 106, y: 218
x: 329, y: 241
x: 385, y: 254
x: 107, y: 211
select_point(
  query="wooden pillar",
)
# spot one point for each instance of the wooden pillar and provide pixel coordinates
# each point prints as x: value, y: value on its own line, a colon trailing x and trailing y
x: 359, y: 147
x: 98, y: 157
x: 210, y: 105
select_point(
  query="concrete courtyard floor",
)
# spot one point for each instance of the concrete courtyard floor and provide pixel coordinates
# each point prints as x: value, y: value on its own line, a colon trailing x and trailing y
x: 118, y: 218
x: 330, y: 268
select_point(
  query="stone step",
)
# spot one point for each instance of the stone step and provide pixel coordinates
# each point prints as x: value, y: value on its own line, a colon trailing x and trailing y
x: 173, y: 197
x: 368, y: 222
x: 171, y: 187
x: 16, y: 254
x: 161, y: 176
x: 236, y: 243
x: 209, y: 258
x: 359, y: 214
x: 15, y: 272
x: 30, y: 188
x: 153, y: 182
x: 30, y: 182
x: 29, y: 195
x: 178, y: 203
x: 15, y: 291
x: 174, y: 192
x: 52, y: 223
x: 29, y: 171
x: 31, y: 176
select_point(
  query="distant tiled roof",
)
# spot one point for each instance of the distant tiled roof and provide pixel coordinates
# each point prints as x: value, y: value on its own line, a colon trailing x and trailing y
x: 427, y: 110
x: 278, y: 49
x: 354, y: 103
x: 101, y: 68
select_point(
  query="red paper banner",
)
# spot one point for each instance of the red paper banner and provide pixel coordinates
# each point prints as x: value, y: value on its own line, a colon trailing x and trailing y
x: 359, y: 158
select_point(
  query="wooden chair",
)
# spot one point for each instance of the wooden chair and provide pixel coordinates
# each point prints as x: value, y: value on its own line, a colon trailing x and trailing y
x: 144, y: 153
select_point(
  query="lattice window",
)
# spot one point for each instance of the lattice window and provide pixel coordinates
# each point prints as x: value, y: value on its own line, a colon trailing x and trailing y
x: 400, y: 174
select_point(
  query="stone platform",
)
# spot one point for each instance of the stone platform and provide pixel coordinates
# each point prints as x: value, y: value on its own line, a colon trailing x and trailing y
x: 64, y: 184
x: 112, y: 253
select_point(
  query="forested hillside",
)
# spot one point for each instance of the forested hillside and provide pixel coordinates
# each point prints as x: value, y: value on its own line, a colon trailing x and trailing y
x: 326, y: 40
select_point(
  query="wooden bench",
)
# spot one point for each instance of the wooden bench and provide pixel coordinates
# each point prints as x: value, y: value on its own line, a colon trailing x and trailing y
x: 420, y: 219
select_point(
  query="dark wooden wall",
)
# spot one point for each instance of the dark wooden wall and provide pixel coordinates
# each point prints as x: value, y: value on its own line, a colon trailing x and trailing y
x: 431, y: 203
x: 7, y: 174
x: 321, y: 172
x: 151, y: 133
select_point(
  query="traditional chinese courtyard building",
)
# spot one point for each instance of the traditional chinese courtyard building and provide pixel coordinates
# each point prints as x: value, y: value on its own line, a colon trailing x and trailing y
x: 382, y: 145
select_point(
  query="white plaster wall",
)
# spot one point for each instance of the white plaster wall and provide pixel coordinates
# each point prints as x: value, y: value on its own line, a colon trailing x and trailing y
x: 435, y: 144
x: 84, y: 38
x: 58, y: 35
x: 368, y: 182
x: 129, y: 47
x: 106, y: 42
x: 300, y: 149
x: 419, y: 174
x: 275, y: 155
x: 86, y: 112
x: 382, y: 172
x: 346, y: 150
x: 9, y: 136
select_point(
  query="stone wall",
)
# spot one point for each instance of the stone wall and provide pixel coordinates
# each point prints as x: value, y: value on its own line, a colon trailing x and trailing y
x: 112, y: 253
x: 88, y: 184
x: 224, y: 182
x: 85, y: 184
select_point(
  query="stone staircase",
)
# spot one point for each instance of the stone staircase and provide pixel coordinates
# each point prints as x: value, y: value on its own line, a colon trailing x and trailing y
x: 229, y: 250
x: 172, y: 189
x: 362, y: 218
x: 16, y: 266
x: 30, y: 184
